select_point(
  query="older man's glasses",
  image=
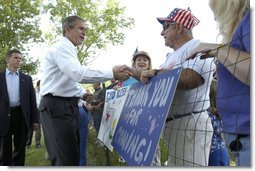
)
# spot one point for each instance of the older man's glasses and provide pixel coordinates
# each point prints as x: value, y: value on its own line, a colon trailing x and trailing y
x: 166, y: 26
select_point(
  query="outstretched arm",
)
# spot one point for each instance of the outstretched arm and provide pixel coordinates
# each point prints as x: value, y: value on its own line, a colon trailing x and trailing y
x: 236, y: 61
x: 189, y: 78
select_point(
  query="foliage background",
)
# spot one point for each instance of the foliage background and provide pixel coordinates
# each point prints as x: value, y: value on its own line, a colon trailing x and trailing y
x: 21, y: 26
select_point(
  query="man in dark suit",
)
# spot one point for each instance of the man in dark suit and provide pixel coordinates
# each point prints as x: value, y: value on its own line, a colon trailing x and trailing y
x: 18, y: 111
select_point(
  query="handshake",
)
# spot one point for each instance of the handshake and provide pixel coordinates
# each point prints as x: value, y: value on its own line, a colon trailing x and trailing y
x: 123, y: 72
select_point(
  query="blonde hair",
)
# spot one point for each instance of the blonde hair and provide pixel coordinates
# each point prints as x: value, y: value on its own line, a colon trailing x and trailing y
x: 228, y: 14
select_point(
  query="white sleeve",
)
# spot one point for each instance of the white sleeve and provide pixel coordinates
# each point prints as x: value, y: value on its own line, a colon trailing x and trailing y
x: 69, y: 64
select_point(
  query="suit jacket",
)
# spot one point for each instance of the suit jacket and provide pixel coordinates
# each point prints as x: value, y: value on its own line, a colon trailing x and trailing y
x: 27, y: 100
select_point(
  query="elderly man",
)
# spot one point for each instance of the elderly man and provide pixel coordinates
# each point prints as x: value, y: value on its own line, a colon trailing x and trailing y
x: 188, y: 130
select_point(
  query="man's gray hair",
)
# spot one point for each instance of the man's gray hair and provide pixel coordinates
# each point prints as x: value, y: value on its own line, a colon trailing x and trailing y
x: 69, y: 22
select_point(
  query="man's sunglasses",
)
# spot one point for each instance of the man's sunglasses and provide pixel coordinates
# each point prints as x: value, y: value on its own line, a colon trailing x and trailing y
x: 166, y: 26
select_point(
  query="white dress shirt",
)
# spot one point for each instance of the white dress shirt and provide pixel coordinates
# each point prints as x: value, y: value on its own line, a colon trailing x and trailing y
x: 62, y: 72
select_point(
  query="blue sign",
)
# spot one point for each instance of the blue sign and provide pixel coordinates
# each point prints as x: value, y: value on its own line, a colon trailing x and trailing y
x: 143, y: 116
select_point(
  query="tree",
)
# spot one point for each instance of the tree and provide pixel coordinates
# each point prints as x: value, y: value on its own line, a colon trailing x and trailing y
x: 19, y: 26
x: 105, y: 19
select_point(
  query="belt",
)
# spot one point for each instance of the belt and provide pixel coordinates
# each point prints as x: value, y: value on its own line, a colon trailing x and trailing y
x: 63, y: 98
x: 242, y: 135
x: 183, y: 115
x: 15, y: 108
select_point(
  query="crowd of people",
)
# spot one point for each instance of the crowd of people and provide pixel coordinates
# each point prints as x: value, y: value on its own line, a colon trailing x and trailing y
x: 209, y: 115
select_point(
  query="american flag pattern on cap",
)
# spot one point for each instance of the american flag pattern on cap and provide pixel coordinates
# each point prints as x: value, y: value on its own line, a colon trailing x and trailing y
x: 182, y: 16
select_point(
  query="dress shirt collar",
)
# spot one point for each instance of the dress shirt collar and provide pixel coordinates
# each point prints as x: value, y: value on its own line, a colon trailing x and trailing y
x: 10, y: 72
x: 69, y: 43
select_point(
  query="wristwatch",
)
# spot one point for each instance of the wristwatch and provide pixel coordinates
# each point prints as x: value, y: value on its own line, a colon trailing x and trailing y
x: 157, y: 71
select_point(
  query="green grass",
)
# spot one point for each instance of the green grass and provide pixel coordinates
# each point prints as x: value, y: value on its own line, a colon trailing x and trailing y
x: 96, y: 155
x: 100, y: 156
x: 36, y: 156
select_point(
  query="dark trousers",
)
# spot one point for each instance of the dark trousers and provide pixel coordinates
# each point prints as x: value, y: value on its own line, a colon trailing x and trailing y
x: 60, y: 123
x: 97, y: 122
x: 12, y: 146
x: 83, y: 135
x: 37, y: 134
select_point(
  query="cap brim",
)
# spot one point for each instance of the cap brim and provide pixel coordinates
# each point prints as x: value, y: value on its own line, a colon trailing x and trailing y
x: 134, y: 57
x: 140, y: 53
x: 162, y: 20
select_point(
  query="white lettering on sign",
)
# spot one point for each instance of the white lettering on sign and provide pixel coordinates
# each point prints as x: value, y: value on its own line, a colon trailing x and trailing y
x: 133, y: 117
x: 138, y: 97
x: 131, y: 144
x: 161, y: 90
